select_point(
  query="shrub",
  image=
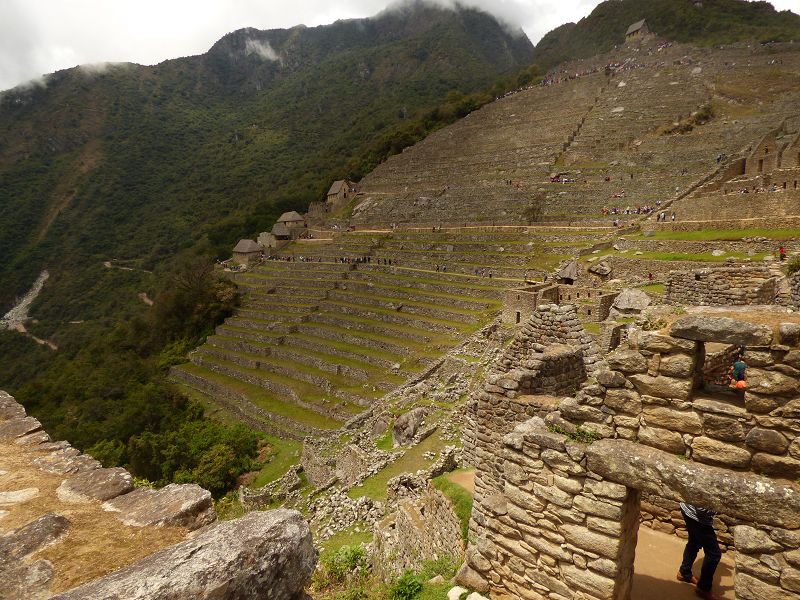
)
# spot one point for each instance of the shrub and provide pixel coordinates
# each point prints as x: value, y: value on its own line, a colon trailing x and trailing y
x: 407, y: 587
x: 794, y: 265
x: 347, y: 563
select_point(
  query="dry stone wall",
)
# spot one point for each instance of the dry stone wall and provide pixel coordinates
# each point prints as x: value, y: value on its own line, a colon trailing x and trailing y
x: 422, y: 529
x: 726, y: 286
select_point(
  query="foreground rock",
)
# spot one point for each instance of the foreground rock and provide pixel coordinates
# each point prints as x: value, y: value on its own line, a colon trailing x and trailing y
x: 99, y: 484
x: 186, y: 505
x: 722, y: 329
x: 406, y: 426
x: 267, y: 555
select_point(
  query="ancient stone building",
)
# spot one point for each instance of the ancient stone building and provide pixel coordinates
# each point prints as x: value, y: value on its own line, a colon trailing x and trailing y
x: 246, y: 251
x: 592, y: 304
x: 554, y: 517
x: 637, y: 30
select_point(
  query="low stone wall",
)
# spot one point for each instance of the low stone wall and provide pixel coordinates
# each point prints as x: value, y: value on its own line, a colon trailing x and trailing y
x: 785, y: 222
x: 794, y: 287
x: 422, y: 529
x: 722, y: 286
x: 632, y: 270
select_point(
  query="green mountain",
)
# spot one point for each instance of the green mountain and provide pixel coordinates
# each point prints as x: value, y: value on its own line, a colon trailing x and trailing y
x: 701, y: 22
x: 139, y: 164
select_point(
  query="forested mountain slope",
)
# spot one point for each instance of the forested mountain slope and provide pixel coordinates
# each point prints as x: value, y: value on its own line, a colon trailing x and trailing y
x: 138, y: 163
x: 703, y: 23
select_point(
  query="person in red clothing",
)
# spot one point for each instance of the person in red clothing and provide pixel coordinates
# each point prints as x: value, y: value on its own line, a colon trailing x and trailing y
x: 782, y: 253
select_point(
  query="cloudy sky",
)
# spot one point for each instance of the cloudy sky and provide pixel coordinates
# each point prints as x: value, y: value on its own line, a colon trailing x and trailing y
x: 41, y: 36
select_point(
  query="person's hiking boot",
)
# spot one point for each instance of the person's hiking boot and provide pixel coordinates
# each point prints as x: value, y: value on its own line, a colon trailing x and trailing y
x: 707, y: 594
x: 691, y: 579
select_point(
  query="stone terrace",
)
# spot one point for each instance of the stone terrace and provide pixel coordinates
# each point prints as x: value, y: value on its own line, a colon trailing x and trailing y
x: 316, y: 343
x: 590, y: 128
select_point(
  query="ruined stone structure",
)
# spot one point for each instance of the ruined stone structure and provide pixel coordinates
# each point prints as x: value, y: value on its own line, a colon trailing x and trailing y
x: 422, y: 529
x: 555, y: 518
x: 725, y: 286
x: 592, y: 304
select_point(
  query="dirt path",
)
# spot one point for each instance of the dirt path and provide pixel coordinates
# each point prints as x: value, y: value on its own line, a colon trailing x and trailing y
x: 465, y: 479
x: 658, y: 556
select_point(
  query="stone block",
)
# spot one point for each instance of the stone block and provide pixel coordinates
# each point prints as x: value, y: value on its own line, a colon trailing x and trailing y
x: 662, y: 387
x: 597, y: 585
x: 663, y: 344
x: 597, y: 508
x: 750, y: 588
x: 772, y: 383
x: 721, y: 329
x: 723, y: 428
x: 686, y: 421
x: 753, y: 541
x: 581, y: 537
x: 98, y: 484
x: 789, y: 333
x: 790, y: 579
x: 663, y: 439
x: 611, y: 379
x: 606, y: 489
x: 715, y: 452
x: 623, y: 401
x: 776, y: 466
x: 743, y: 496
x: 767, y: 440
x: 677, y: 365
x: 627, y: 361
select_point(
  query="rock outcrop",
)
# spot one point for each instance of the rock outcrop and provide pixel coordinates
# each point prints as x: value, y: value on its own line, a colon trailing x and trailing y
x: 268, y: 555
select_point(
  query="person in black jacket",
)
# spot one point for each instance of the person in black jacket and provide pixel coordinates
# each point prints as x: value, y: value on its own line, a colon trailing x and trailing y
x: 699, y: 525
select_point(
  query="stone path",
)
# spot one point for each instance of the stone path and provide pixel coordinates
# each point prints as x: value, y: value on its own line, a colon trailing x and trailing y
x: 658, y: 556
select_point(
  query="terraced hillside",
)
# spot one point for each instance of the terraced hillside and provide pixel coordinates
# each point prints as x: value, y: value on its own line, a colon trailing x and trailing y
x: 316, y: 343
x: 648, y: 130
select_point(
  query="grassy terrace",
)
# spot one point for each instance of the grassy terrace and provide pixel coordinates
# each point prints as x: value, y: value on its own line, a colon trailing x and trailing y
x: 491, y: 303
x: 421, y: 350
x: 722, y: 235
x: 309, y: 393
x: 350, y: 348
x: 305, y: 389
x: 680, y: 256
x: 260, y: 398
x: 410, y: 462
x: 346, y: 362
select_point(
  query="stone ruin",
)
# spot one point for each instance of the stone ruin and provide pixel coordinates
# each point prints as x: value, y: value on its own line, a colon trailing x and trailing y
x: 557, y: 518
x: 73, y: 530
x: 722, y: 286
x: 592, y: 304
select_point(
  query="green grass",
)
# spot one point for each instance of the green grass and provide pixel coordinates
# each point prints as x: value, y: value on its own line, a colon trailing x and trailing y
x: 460, y: 497
x: 348, y: 537
x: 729, y: 235
x: 283, y: 454
x: 386, y: 441
x: 410, y: 462
x: 654, y: 288
x: 681, y: 256
x: 593, y: 328
x: 259, y: 397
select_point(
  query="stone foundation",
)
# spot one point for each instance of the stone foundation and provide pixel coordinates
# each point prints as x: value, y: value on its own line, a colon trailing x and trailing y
x: 725, y: 286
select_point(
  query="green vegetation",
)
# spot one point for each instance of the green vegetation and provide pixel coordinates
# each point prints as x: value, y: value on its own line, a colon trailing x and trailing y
x: 654, y: 288
x: 794, y: 265
x: 581, y: 434
x: 713, y: 22
x: 461, y: 499
x: 411, y: 462
x: 106, y: 391
x: 728, y: 235
x: 282, y: 454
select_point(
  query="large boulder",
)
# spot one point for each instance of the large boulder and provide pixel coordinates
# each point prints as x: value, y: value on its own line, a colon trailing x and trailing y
x: 721, y: 329
x: 98, y: 484
x: 745, y: 496
x: 263, y: 555
x: 631, y: 301
x: 406, y: 426
x: 186, y: 505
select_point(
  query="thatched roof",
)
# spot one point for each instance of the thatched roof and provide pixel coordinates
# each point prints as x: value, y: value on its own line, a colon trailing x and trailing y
x: 290, y: 217
x: 246, y: 246
x: 636, y: 27
x: 336, y: 187
x: 280, y: 230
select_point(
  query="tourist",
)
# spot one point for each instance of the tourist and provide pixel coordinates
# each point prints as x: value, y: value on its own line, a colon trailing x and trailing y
x: 739, y: 372
x: 700, y: 527
x: 782, y: 253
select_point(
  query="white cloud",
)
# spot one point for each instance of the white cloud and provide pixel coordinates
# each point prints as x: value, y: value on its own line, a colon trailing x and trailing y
x: 262, y: 49
x: 41, y: 36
